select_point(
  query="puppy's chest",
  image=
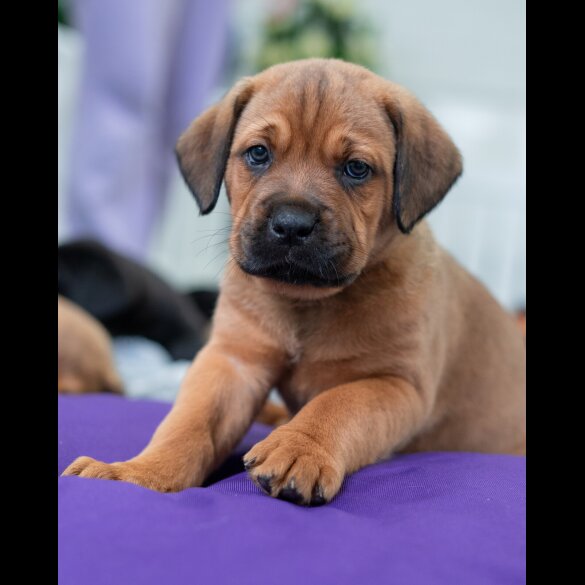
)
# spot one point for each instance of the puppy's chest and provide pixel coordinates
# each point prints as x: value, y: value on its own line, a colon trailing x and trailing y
x: 320, y: 361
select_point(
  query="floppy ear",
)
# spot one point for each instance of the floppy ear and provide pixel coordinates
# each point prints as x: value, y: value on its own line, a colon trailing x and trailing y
x: 203, y: 149
x: 427, y: 162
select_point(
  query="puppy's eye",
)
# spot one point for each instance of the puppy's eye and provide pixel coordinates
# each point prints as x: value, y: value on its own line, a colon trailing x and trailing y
x: 257, y: 155
x: 356, y: 169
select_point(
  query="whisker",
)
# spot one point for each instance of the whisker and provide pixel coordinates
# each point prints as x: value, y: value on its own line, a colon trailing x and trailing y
x: 213, y: 259
x: 203, y: 250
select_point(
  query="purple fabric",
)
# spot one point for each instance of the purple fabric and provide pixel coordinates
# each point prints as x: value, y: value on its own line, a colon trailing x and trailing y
x: 433, y: 518
x: 148, y: 70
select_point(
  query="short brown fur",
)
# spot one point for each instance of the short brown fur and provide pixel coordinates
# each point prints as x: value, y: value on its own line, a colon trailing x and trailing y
x: 85, y: 358
x: 409, y: 353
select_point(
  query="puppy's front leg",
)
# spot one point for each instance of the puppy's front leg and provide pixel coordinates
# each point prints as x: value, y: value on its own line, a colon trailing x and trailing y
x: 222, y: 392
x: 336, y: 433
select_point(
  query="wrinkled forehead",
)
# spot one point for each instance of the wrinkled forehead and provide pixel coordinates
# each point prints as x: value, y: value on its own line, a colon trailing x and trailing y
x: 335, y: 113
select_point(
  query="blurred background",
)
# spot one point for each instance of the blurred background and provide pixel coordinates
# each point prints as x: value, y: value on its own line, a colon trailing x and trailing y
x: 134, y: 73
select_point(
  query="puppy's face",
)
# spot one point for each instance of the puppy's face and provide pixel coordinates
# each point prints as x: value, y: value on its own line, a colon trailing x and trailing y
x: 324, y: 163
x: 308, y: 177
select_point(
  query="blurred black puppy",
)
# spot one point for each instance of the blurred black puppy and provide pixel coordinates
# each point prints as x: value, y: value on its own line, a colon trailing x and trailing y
x: 129, y: 299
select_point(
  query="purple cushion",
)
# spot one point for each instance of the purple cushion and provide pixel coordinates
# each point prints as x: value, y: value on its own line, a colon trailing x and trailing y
x: 432, y: 518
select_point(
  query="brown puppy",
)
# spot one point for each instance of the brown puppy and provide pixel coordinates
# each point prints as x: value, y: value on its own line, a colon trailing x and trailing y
x: 376, y: 338
x: 85, y: 359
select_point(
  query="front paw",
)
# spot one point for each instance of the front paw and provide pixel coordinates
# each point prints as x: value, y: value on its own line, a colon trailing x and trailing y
x: 293, y: 466
x: 142, y: 474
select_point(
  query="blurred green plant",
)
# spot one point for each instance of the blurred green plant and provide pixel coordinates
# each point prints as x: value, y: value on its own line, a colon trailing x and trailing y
x: 63, y: 13
x: 317, y: 28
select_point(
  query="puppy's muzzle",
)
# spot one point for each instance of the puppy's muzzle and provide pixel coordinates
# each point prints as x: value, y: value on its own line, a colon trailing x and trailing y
x: 291, y: 225
x: 292, y: 244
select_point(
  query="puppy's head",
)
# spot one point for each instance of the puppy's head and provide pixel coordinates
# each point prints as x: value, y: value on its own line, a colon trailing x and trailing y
x: 324, y: 163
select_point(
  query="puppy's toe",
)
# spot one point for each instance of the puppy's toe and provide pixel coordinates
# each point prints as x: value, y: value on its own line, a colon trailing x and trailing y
x: 143, y: 473
x: 295, y: 468
x: 290, y: 493
x: 265, y: 482
x: 318, y: 496
x: 88, y: 467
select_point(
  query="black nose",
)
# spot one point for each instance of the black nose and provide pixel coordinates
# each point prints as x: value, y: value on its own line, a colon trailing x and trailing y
x: 291, y: 224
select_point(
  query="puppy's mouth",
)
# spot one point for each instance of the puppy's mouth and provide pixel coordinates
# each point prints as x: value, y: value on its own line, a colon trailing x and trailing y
x: 293, y: 245
x: 305, y: 271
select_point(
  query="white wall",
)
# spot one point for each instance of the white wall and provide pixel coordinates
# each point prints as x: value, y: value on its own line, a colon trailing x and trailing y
x: 465, y: 59
x: 69, y: 51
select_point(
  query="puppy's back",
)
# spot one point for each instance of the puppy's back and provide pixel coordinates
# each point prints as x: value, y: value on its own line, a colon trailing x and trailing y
x: 480, y: 403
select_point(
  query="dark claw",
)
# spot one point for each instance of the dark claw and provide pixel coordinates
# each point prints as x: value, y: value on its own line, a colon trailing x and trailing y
x: 264, y: 481
x: 290, y: 494
x: 248, y: 463
x: 318, y: 499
